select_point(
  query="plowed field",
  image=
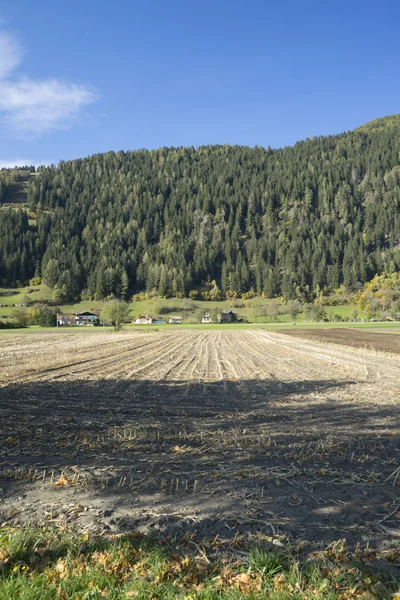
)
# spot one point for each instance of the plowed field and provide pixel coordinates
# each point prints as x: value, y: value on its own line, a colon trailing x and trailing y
x: 244, y: 434
x: 356, y: 338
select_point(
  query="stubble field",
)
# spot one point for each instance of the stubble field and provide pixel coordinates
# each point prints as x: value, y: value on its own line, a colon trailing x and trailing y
x: 244, y: 435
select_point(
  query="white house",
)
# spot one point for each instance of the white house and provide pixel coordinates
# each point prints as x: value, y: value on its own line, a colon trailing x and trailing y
x: 86, y: 318
x: 176, y: 320
x: 65, y: 320
x: 143, y: 320
x: 206, y: 318
x: 82, y: 318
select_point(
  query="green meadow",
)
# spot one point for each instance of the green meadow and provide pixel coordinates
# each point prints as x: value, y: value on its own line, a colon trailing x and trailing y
x: 163, y: 307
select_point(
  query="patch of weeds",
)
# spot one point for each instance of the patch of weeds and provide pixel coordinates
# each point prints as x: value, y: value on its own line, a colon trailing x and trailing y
x: 56, y: 564
x: 265, y: 563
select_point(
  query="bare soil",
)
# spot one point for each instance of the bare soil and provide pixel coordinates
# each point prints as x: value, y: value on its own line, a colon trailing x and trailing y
x: 356, y: 338
x: 253, y: 436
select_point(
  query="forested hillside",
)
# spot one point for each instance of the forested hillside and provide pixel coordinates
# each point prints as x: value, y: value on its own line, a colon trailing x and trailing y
x: 13, y: 184
x: 290, y: 221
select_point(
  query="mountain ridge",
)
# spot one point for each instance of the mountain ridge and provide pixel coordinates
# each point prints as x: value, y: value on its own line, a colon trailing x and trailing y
x: 290, y: 221
x: 380, y: 123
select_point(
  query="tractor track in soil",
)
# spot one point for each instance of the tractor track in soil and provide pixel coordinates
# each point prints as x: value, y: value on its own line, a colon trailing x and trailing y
x: 233, y: 431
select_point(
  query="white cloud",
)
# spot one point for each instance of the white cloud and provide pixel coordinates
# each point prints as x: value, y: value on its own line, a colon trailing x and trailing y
x: 36, y: 107
x: 11, y: 53
x: 40, y: 106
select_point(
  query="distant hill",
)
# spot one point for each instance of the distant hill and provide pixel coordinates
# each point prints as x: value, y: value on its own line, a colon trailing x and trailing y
x: 289, y: 222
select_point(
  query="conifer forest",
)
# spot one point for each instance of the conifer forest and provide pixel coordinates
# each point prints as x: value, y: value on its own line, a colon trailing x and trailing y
x: 287, y: 222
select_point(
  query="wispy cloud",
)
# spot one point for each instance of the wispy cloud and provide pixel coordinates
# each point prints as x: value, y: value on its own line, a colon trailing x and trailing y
x: 11, y: 53
x: 36, y: 107
x: 40, y: 106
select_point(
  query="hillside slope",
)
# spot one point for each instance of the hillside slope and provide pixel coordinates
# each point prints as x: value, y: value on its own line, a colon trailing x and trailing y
x: 288, y: 221
x: 14, y: 185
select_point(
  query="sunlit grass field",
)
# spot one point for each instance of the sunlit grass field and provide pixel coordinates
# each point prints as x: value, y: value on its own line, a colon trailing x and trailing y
x: 152, y: 307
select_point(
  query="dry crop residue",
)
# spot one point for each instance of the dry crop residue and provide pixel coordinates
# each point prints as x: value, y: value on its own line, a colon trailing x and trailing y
x: 250, y: 435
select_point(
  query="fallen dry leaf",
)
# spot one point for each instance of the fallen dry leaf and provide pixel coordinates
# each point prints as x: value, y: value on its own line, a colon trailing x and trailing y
x: 4, y: 557
x: 60, y: 566
x: 243, y: 578
x: 61, y: 481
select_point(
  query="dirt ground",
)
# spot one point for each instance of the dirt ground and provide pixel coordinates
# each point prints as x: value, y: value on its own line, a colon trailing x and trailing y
x: 248, y: 435
x: 356, y: 338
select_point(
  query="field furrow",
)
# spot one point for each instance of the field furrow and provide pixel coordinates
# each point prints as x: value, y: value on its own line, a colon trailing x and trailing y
x: 242, y: 428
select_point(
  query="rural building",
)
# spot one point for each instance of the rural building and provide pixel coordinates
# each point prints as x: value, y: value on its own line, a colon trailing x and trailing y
x: 65, y: 320
x: 176, y: 320
x: 143, y: 320
x: 386, y: 316
x: 83, y: 318
x: 86, y: 318
x: 206, y: 318
x: 228, y: 316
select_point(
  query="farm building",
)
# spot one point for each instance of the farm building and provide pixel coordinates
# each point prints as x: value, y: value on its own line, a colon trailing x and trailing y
x: 206, y: 318
x: 86, y: 318
x: 146, y: 320
x: 83, y: 318
x: 65, y: 320
x: 228, y: 316
x: 385, y: 315
x: 143, y: 320
x: 388, y: 316
x: 176, y: 320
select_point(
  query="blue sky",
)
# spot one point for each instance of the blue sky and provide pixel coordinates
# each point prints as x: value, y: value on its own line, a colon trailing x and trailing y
x: 88, y: 76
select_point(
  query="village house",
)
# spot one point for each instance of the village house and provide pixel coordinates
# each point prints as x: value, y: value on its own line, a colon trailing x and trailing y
x: 228, y: 316
x: 206, y: 318
x: 387, y: 316
x: 82, y: 318
x: 65, y: 320
x: 176, y: 320
x: 86, y: 318
x: 143, y: 320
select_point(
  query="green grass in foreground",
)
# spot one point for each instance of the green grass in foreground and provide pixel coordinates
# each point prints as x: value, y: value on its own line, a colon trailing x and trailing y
x: 48, y: 564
